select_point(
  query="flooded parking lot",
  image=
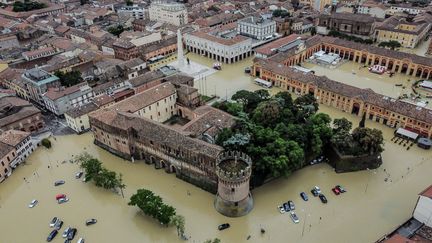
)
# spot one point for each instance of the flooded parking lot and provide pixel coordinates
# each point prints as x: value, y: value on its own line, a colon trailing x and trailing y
x: 377, y: 201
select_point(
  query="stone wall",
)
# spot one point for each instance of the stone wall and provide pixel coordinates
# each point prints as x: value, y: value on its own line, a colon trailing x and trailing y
x: 349, y: 163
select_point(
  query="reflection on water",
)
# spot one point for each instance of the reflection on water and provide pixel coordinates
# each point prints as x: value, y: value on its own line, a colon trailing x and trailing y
x: 370, y: 208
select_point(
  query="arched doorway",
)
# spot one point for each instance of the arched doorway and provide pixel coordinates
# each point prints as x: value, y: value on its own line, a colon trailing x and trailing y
x: 355, y: 109
x: 311, y: 91
x: 404, y: 68
x: 173, y: 169
x: 152, y: 160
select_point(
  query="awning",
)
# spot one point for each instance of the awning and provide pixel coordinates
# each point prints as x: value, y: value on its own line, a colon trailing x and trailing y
x: 407, y: 133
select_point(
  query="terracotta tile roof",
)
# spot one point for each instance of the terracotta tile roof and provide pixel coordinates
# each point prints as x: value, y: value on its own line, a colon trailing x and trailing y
x: 159, y: 133
x: 208, y: 118
x: 13, y: 137
x: 145, y: 98
x: 397, y: 238
x: 427, y: 192
x: 103, y: 100
x: 228, y: 42
x: 393, y: 23
x: 82, y: 110
x: 268, y: 49
x: 5, y: 149
x: 146, y: 78
x: 56, y: 93
x: 367, y: 95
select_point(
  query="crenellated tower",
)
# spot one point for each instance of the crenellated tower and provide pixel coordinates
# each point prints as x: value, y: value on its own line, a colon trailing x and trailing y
x: 233, y: 198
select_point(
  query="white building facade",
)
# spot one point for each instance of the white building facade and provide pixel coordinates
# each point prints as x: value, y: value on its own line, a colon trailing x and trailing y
x: 423, y: 209
x: 218, y: 48
x: 168, y: 12
x: 135, y: 11
x: 257, y: 28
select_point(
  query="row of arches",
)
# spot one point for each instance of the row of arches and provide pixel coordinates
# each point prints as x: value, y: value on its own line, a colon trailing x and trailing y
x: 160, y: 163
x: 391, y: 64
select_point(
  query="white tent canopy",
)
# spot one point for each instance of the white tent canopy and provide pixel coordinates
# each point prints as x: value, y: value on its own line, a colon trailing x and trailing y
x: 406, y: 133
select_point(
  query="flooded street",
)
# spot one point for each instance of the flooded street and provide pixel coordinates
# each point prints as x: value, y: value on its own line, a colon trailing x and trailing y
x: 355, y: 74
x: 371, y: 208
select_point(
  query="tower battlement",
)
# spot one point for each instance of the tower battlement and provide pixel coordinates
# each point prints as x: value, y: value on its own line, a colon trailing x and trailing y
x: 234, y: 170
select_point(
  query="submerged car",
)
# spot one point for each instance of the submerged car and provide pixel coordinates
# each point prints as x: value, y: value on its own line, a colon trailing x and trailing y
x: 33, y: 203
x: 91, y: 221
x: 316, y: 191
x: 291, y: 205
x: 281, y: 209
x: 52, y: 235
x: 59, y: 182
x: 66, y: 231
x: 336, y: 190
x: 340, y: 188
x: 63, y: 200
x: 71, y: 234
x: 81, y: 240
x: 286, y: 207
x: 53, y: 221
x: 58, y: 225
x: 304, y: 196
x: 294, y: 217
x: 323, y: 198
x: 79, y: 174
x: 58, y: 196
x: 223, y: 226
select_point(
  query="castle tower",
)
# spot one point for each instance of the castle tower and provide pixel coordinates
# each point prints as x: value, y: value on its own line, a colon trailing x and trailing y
x: 233, y: 198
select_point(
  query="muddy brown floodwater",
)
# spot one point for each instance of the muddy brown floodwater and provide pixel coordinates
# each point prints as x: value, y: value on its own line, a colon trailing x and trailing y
x: 370, y: 208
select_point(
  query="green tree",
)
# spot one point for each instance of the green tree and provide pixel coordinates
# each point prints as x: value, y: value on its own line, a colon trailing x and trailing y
x: 267, y: 113
x: 320, y: 132
x: 46, y: 143
x: 262, y: 94
x: 280, y: 13
x: 91, y: 167
x: 117, y: 30
x: 363, y: 120
x: 234, y: 108
x: 250, y: 100
x: 129, y: 2
x: 179, y: 222
x: 286, y: 98
x: 313, y: 31
x: 370, y: 140
x: 69, y: 78
x: 224, y: 135
x: 390, y: 44
x: 341, y: 125
x: 152, y: 205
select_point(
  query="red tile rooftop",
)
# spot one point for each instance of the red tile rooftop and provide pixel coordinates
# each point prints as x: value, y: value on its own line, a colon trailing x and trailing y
x: 427, y: 192
x: 267, y: 49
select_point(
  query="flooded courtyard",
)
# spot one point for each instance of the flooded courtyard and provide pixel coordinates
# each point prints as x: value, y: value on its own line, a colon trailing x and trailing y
x: 377, y: 201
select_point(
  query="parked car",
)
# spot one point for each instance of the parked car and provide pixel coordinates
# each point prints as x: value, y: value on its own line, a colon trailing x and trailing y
x: 335, y: 190
x: 316, y: 191
x: 281, y: 209
x: 91, y: 221
x: 294, y: 217
x: 53, y: 221
x: 81, y: 240
x: 52, y: 235
x: 59, y: 182
x: 341, y: 189
x: 63, y: 200
x: 286, y: 207
x: 247, y: 70
x: 67, y: 241
x: 223, y: 226
x: 291, y: 205
x: 323, y: 198
x: 66, y: 231
x: 58, y: 225
x: 304, y: 196
x: 71, y: 234
x: 33, y: 203
x: 79, y: 174
x: 58, y: 196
